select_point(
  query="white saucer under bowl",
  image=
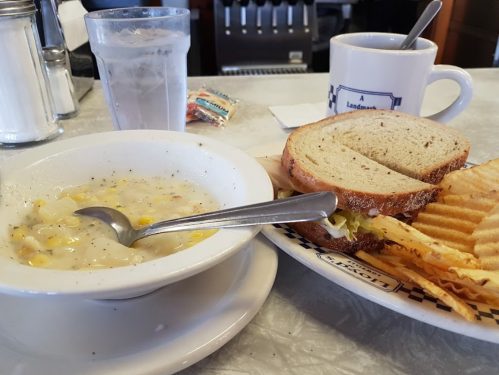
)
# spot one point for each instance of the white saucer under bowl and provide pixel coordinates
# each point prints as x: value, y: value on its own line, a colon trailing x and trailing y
x: 159, y: 333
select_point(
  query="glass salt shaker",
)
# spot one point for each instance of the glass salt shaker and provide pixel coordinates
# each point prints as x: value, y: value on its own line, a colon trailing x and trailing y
x: 61, y: 84
x: 27, y: 112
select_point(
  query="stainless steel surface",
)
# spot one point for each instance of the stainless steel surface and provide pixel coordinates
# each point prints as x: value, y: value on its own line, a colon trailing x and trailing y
x: 263, y: 69
x: 274, y: 18
x: 259, y: 20
x: 243, y: 19
x: 429, y: 13
x: 306, y: 207
x: 337, y: 1
x: 78, y: 62
x: 495, y: 63
x: 16, y: 7
x: 52, y: 29
x: 54, y: 56
x: 262, y: 34
x: 305, y: 18
x: 227, y: 19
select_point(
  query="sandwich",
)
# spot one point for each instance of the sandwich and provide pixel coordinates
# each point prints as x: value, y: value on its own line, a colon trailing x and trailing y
x: 375, y: 161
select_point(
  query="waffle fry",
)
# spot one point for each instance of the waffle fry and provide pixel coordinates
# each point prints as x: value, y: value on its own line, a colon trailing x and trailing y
x: 486, y: 235
x: 468, y: 291
x: 484, y: 278
x: 482, y: 202
x: 451, y: 249
x: 464, y: 287
x: 392, y: 266
x: 453, y: 218
x: 481, y: 179
x: 379, y: 264
x: 451, y: 300
x: 423, y: 246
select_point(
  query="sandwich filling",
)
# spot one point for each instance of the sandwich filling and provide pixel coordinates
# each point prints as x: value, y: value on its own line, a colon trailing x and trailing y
x: 342, y: 223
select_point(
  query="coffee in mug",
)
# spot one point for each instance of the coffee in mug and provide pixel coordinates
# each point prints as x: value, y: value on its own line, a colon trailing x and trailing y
x: 368, y: 71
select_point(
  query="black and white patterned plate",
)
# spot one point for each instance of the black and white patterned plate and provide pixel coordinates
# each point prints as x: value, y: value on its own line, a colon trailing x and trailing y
x: 384, y: 289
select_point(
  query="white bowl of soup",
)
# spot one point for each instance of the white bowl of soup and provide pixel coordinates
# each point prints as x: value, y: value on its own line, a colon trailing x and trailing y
x: 150, y: 176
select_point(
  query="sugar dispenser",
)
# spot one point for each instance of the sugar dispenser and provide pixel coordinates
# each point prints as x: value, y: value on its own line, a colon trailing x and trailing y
x: 27, y: 111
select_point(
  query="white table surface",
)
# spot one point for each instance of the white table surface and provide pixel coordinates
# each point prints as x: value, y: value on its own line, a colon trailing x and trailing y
x: 309, y: 325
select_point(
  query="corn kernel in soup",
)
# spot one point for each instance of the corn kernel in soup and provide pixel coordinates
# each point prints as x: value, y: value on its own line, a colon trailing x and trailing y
x: 52, y: 237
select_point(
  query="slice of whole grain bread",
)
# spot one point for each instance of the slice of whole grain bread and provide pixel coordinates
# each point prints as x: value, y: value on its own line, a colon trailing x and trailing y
x: 414, y: 146
x: 315, y: 161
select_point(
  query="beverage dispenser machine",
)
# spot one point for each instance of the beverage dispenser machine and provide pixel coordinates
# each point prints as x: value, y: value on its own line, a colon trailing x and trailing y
x: 264, y: 36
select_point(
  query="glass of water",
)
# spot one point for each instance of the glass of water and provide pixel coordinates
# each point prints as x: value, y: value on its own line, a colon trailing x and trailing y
x: 141, y: 54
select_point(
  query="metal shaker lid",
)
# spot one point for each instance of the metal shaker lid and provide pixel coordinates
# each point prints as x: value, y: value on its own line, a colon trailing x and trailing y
x: 54, y: 56
x: 17, y: 7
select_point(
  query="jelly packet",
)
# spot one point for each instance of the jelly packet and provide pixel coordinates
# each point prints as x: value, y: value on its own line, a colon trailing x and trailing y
x: 211, y: 106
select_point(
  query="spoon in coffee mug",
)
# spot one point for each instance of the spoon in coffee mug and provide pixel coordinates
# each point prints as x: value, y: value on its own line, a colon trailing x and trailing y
x: 428, y: 14
x: 305, y: 207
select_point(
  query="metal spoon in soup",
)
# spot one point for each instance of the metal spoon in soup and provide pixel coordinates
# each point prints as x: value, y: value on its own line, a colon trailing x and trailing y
x: 305, y: 207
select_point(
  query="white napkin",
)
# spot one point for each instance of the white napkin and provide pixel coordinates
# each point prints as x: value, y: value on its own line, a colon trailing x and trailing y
x: 293, y: 116
x: 73, y: 26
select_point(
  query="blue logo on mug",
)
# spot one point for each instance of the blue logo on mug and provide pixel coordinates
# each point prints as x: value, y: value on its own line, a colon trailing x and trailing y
x: 347, y: 99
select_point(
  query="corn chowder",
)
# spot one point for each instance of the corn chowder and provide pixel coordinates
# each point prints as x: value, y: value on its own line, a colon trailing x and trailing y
x: 52, y: 237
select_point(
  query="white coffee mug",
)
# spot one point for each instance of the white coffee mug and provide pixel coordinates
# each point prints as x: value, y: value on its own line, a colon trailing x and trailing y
x: 368, y: 71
